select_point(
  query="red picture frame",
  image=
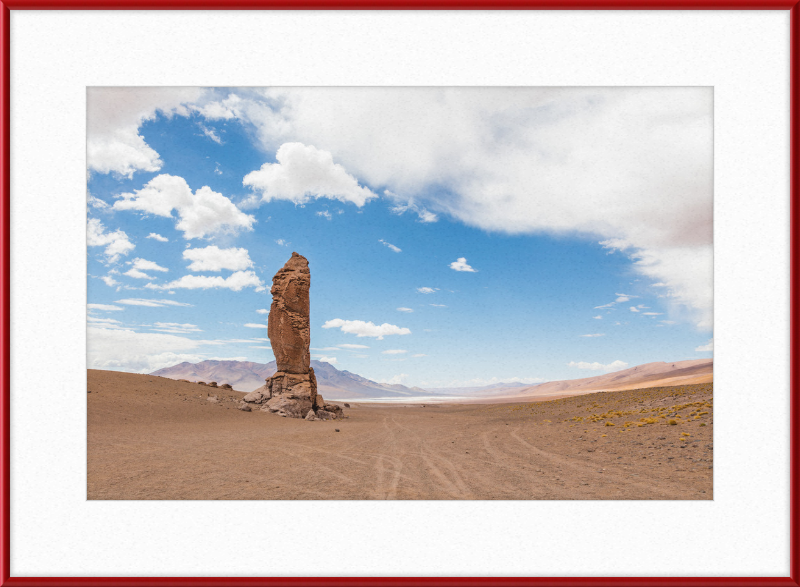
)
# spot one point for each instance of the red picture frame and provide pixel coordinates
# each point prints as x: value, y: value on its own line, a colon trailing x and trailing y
x: 5, y: 342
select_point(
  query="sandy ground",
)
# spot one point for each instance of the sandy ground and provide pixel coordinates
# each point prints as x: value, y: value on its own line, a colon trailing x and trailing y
x: 155, y: 438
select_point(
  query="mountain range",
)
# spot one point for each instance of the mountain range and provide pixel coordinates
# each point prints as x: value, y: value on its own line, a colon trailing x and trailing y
x: 247, y: 376
x: 335, y: 384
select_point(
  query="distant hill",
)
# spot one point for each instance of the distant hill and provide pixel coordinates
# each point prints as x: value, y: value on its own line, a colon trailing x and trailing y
x: 247, y: 376
x: 657, y: 374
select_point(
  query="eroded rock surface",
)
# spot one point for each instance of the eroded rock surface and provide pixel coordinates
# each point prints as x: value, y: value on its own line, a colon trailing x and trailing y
x: 292, y: 391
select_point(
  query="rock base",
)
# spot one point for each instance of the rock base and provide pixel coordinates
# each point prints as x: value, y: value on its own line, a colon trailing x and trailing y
x: 293, y: 395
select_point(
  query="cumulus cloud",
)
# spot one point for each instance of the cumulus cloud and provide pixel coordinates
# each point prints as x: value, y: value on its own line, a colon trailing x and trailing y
x: 353, y: 346
x: 114, y: 115
x: 262, y: 311
x: 303, y: 172
x: 365, y: 329
x: 282, y: 242
x: 213, y: 258
x: 110, y: 281
x: 706, y: 348
x: 652, y: 313
x: 158, y: 237
x: 404, y: 310
x: 631, y: 167
x: 615, y: 366
x: 598, y: 317
x: 145, y: 265
x: 391, y: 246
x: 234, y: 282
x: 150, y: 303
x: 116, y: 243
x: 634, y: 309
x: 137, y: 274
x: 254, y: 325
x: 427, y: 290
x: 461, y: 265
x: 393, y: 352
x: 200, y: 214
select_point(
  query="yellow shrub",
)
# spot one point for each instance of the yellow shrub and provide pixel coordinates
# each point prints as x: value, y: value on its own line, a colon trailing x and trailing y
x: 672, y: 422
x: 609, y: 423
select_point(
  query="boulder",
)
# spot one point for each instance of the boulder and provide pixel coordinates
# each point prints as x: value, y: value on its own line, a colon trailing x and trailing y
x: 311, y: 416
x: 213, y: 399
x: 226, y: 386
x: 255, y: 397
x: 212, y: 384
x: 245, y: 407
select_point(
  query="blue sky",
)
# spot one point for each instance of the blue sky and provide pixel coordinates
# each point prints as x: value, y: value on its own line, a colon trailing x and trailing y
x: 455, y: 236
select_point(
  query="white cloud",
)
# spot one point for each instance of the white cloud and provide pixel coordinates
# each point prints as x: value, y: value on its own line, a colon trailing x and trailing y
x: 109, y: 281
x: 175, y: 328
x: 303, y: 172
x: 708, y: 347
x: 652, y: 313
x: 103, y: 321
x: 603, y: 307
x: 615, y: 366
x: 282, y: 242
x: 438, y: 305
x: 591, y: 335
x: 391, y: 246
x: 668, y: 322
x: 262, y: 311
x: 362, y: 329
x: 235, y: 282
x: 427, y: 290
x: 202, y: 213
x: 419, y: 355
x: 121, y: 349
x: 325, y: 214
x: 326, y: 349
x: 598, y: 317
x: 353, y: 346
x: 622, y: 298
x: 634, y: 309
x: 150, y: 303
x: 137, y: 274
x: 254, y: 325
x: 116, y: 243
x: 404, y: 310
x: 403, y: 205
x: 396, y: 380
x: 461, y: 265
x: 104, y: 307
x: 145, y: 265
x: 631, y: 166
x: 114, y: 115
x: 394, y: 352
x: 158, y: 237
x: 213, y: 258
x: 211, y: 134
x: 331, y: 360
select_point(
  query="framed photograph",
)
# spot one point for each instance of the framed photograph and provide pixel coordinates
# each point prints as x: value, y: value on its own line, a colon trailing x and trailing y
x: 440, y: 293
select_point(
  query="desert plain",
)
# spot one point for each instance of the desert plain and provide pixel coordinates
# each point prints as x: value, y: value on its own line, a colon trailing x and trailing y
x: 150, y: 437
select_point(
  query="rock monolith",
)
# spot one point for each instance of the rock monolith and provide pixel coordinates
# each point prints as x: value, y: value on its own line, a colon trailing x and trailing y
x: 292, y: 391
